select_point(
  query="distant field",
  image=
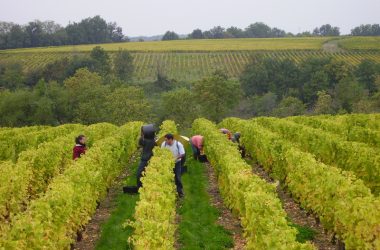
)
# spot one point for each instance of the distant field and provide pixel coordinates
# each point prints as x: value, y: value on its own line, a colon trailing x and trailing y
x: 246, y: 44
x: 192, y: 59
x: 189, y: 65
x: 360, y: 43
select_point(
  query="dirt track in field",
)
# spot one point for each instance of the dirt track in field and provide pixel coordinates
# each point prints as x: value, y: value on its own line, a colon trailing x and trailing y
x: 226, y: 219
x: 298, y: 215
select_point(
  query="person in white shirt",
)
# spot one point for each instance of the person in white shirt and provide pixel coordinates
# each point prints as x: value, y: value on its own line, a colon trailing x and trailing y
x: 178, y: 151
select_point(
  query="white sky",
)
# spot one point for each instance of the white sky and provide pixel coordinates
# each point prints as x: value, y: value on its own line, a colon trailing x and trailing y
x: 153, y: 17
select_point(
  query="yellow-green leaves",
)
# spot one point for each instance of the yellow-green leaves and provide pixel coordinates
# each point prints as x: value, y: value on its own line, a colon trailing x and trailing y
x: 155, y: 212
x: 254, y: 200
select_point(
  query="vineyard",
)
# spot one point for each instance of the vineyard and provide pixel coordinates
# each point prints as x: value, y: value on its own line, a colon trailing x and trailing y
x: 190, y: 65
x: 328, y: 165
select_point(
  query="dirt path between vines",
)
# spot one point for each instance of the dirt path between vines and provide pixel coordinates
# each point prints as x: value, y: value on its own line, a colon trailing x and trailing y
x: 91, y: 234
x: 297, y: 215
x: 332, y: 47
x: 226, y: 219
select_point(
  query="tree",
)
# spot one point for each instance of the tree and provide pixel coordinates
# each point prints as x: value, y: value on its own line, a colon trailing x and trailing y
x: 235, y: 32
x: 277, y: 33
x: 290, y: 106
x: 319, y: 81
x: 366, y: 30
x: 366, y: 73
x: 326, y: 30
x: 180, y: 105
x: 267, y: 74
x: 324, y: 103
x: 127, y: 104
x: 11, y: 76
x: 347, y: 92
x: 170, y: 35
x: 16, y: 108
x: 255, y: 77
x: 101, y: 60
x: 258, y: 30
x: 123, y: 65
x: 265, y: 104
x: 196, y: 34
x: 217, y: 32
x: 87, y: 97
x: 216, y: 94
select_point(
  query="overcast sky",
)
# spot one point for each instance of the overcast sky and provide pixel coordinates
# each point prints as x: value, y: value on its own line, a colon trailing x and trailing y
x: 152, y: 17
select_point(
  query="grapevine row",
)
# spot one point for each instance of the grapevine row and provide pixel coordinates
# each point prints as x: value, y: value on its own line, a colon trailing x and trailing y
x: 342, y: 202
x: 36, y: 168
x: 52, y: 221
x: 154, y: 225
x: 348, y: 131
x: 352, y: 156
x: 254, y: 200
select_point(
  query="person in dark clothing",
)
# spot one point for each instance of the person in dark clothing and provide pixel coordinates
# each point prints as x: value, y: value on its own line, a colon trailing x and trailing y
x: 80, y: 147
x: 236, y: 139
x: 147, y: 143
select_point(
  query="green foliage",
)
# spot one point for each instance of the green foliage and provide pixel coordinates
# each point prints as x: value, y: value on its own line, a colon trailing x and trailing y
x: 347, y: 92
x: 155, y: 211
x: 72, y: 196
x: 290, y: 106
x: 167, y: 127
x: 87, y: 96
x: 264, y: 105
x: 123, y: 65
x: 362, y: 160
x: 324, y: 104
x: 11, y: 76
x: 341, y: 201
x: 180, y: 105
x: 101, y: 60
x: 199, y: 227
x: 127, y: 104
x: 254, y: 200
x: 113, y: 234
x: 170, y: 35
x: 217, y: 95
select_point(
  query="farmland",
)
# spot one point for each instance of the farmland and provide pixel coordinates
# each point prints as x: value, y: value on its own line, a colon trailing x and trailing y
x: 188, y: 60
x: 191, y: 65
x: 48, y: 199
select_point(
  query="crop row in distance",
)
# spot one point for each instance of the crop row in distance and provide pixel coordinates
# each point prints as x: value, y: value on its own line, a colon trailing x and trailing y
x: 190, y: 65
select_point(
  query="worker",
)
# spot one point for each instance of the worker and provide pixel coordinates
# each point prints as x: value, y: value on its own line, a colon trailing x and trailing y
x: 178, y: 152
x: 226, y: 132
x: 236, y: 139
x: 80, y: 147
x: 147, y: 143
x: 196, y: 143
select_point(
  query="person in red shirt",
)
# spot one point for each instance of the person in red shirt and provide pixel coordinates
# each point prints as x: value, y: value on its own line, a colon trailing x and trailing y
x: 196, y: 143
x: 80, y: 147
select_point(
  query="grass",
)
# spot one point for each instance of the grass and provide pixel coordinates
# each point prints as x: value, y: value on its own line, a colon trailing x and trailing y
x: 310, y: 43
x: 113, y: 235
x: 360, y: 43
x: 198, y: 228
x: 304, y: 233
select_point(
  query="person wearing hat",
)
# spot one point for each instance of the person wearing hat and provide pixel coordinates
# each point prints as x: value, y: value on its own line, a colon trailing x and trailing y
x: 178, y: 152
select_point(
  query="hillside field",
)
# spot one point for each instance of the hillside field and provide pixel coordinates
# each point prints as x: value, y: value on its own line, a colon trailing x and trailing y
x: 190, y: 60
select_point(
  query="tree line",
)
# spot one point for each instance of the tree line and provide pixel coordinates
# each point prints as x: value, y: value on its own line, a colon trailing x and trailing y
x: 96, y: 87
x: 262, y: 30
x: 38, y: 33
x: 95, y: 30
